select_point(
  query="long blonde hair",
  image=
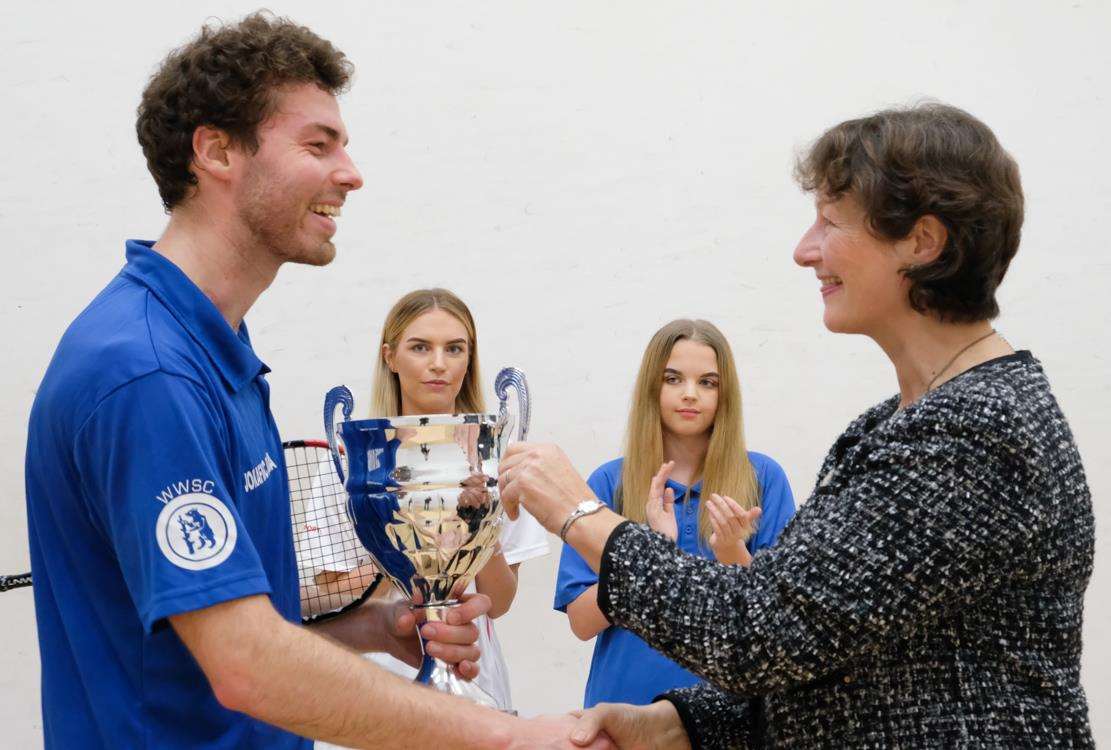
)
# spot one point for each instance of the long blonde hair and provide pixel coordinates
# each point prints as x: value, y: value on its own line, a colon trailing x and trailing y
x: 385, y: 395
x: 726, y: 469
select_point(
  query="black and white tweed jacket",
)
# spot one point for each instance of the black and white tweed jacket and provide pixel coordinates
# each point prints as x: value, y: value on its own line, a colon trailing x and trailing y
x: 928, y: 594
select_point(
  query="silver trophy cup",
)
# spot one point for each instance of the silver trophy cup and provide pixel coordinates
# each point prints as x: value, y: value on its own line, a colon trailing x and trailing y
x: 422, y: 494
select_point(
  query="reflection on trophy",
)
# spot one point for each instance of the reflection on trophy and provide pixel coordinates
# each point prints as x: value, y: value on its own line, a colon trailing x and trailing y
x: 422, y: 494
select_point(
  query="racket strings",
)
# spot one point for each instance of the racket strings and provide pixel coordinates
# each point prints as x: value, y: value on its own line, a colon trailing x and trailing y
x: 333, y: 568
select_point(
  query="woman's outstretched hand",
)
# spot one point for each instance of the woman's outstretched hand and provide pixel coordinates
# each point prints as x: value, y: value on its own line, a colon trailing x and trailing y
x: 660, y: 507
x: 732, y: 526
x: 652, y: 727
x: 541, y: 478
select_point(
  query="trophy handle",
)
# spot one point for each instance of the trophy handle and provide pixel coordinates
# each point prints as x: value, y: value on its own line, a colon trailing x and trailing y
x: 340, y: 395
x: 511, y: 376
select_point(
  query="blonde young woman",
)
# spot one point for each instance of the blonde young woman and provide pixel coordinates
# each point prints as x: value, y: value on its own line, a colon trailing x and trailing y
x: 427, y: 363
x: 686, y: 412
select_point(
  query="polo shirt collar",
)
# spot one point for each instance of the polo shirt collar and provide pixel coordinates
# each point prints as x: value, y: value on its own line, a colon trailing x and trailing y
x: 681, y: 490
x: 230, y: 352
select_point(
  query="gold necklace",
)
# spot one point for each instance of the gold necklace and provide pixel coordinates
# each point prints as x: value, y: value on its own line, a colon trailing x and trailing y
x: 930, y: 386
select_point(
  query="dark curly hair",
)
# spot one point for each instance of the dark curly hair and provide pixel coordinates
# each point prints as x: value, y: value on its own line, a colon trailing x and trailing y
x: 902, y: 164
x: 226, y: 78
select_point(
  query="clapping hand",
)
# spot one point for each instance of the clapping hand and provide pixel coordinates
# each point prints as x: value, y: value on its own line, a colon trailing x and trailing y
x: 660, y: 508
x: 732, y: 526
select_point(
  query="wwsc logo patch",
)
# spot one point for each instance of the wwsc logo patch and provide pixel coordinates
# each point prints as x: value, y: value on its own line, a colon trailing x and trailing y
x: 196, y: 531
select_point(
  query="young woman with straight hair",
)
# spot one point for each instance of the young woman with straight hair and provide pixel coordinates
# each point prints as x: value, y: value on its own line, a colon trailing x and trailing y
x: 686, y: 412
x: 427, y: 363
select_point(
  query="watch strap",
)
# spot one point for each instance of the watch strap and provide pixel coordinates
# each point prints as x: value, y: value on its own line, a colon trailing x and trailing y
x: 575, y: 515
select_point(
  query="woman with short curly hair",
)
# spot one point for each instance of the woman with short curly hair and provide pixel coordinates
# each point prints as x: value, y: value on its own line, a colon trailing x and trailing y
x: 930, y: 592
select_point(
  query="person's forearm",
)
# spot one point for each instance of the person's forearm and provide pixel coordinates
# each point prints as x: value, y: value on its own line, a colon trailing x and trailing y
x: 354, y: 629
x: 356, y: 580
x: 586, y: 618
x: 296, y: 680
x: 745, y: 638
x: 498, y: 580
x: 333, y: 589
x: 343, y: 699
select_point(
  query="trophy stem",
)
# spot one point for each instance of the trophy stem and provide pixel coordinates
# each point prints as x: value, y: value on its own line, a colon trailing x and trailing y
x: 438, y: 674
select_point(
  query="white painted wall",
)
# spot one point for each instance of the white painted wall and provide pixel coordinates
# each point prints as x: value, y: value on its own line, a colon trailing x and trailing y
x: 580, y: 172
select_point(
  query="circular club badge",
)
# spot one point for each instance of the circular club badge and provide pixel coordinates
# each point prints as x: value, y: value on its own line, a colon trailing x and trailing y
x: 196, y: 531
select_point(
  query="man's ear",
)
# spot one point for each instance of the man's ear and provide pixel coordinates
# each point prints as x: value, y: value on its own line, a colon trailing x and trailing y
x: 926, y: 241
x: 211, y: 152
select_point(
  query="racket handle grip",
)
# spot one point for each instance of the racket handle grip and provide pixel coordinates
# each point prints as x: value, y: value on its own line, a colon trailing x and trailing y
x: 15, y: 581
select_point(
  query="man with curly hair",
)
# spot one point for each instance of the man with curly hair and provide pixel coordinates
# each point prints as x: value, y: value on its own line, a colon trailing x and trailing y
x: 165, y: 580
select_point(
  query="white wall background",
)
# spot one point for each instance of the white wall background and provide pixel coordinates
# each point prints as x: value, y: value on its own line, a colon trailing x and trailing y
x: 580, y: 172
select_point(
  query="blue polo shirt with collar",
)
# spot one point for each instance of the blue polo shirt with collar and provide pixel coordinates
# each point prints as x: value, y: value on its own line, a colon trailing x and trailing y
x: 155, y: 486
x: 625, y: 669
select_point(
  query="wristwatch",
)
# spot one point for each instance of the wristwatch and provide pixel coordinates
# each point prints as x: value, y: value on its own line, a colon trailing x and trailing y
x: 585, y: 508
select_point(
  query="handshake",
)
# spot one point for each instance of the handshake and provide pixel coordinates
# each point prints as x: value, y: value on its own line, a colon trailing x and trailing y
x: 607, y: 725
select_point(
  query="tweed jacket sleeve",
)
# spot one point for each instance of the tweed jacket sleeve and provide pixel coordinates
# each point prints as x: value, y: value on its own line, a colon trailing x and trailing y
x: 917, y: 513
x: 715, y: 719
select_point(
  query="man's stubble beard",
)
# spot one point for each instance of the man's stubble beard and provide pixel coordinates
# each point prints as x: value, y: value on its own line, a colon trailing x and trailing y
x: 324, y: 255
x: 274, y: 221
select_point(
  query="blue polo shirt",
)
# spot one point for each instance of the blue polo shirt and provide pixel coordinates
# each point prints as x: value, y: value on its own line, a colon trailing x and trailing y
x: 155, y: 486
x: 625, y: 669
